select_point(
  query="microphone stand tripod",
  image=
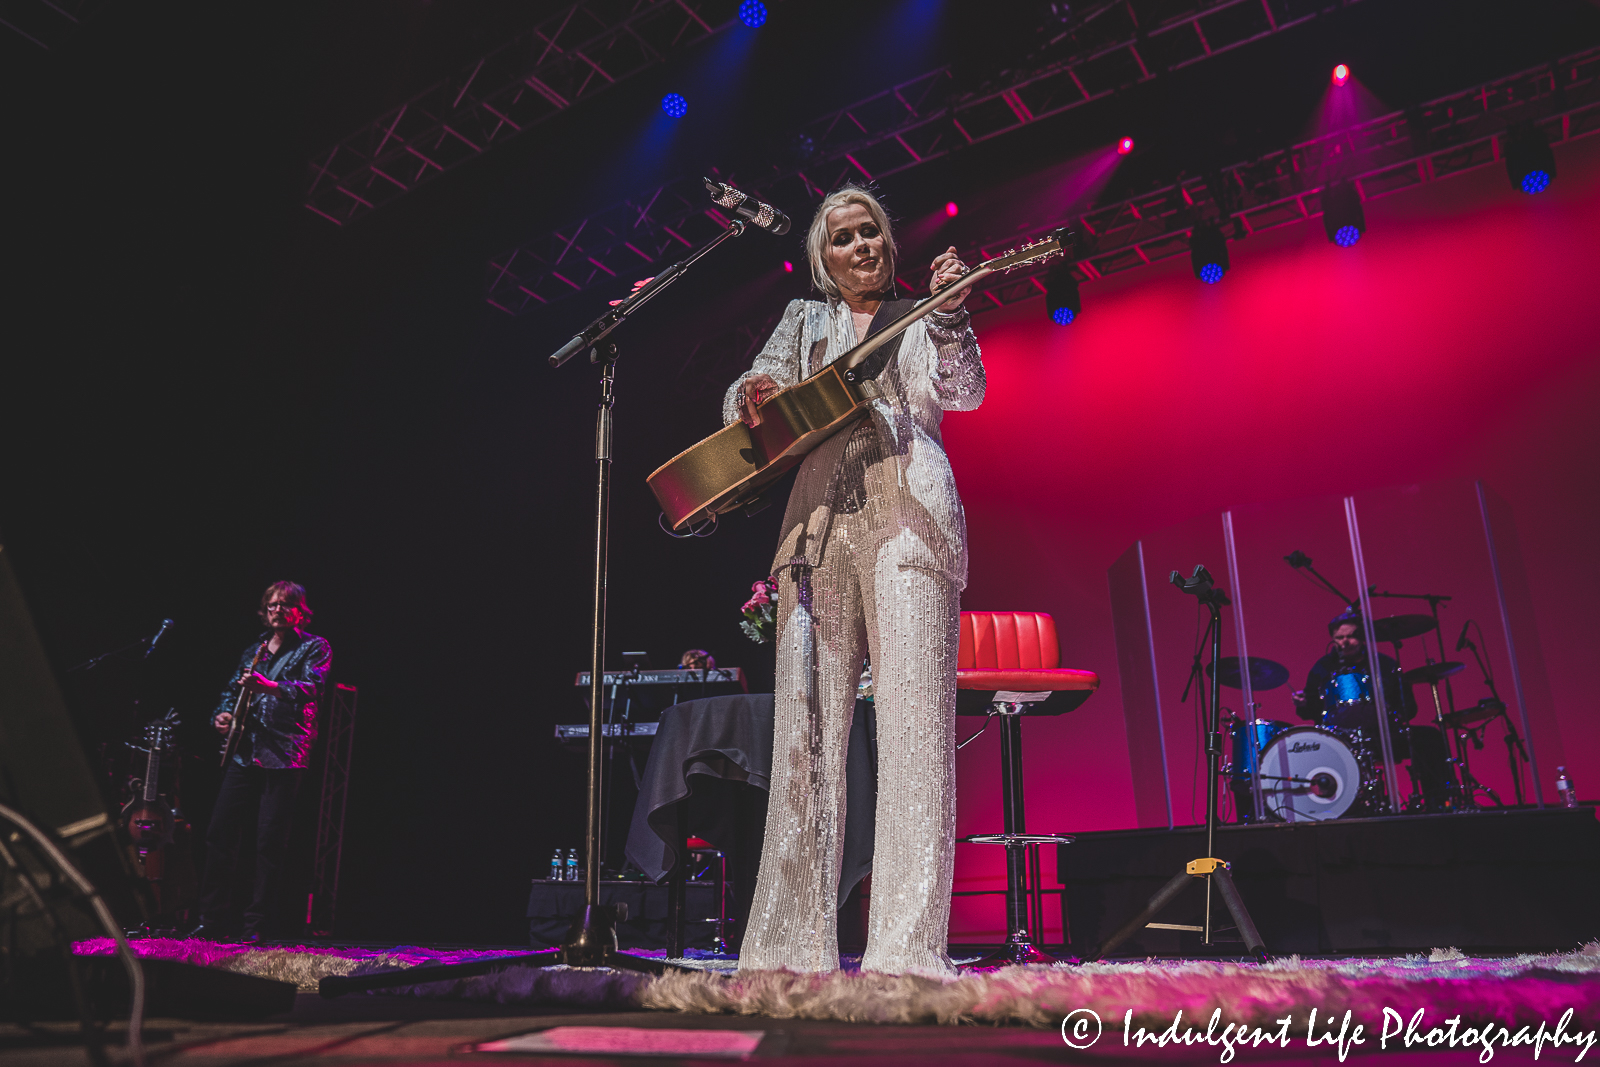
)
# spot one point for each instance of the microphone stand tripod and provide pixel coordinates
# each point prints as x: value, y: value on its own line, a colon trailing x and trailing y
x: 1514, y: 746
x: 592, y: 941
x: 1207, y: 868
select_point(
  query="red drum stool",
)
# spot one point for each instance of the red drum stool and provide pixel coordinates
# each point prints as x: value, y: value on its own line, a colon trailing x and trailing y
x: 1009, y: 665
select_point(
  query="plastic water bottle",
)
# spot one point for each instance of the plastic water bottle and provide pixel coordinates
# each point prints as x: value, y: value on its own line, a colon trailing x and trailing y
x: 1569, y: 795
x: 558, y: 869
x: 572, y: 866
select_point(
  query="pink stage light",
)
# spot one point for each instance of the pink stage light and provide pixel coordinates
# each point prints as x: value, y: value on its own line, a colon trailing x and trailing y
x: 1125, y: 146
x: 788, y: 267
x: 951, y: 210
x: 1341, y: 74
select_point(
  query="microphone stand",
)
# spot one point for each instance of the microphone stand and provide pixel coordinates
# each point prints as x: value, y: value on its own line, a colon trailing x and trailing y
x: 592, y: 941
x: 1207, y: 868
x: 1300, y: 561
x: 1514, y: 746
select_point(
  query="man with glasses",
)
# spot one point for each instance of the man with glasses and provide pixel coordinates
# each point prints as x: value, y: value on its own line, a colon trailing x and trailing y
x: 282, y: 688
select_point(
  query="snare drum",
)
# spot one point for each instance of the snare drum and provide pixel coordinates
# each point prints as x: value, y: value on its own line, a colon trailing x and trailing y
x: 1309, y: 773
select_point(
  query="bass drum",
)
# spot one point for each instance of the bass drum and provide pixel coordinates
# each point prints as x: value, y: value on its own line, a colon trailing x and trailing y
x: 1309, y: 773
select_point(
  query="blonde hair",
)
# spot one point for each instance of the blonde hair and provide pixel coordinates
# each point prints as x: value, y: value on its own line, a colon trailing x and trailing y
x: 817, y: 236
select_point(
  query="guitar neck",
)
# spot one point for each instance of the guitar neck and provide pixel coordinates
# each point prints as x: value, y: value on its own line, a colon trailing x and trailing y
x: 152, y: 771
x: 927, y: 306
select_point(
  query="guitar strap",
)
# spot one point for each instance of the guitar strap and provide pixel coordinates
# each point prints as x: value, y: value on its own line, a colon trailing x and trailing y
x: 888, y: 311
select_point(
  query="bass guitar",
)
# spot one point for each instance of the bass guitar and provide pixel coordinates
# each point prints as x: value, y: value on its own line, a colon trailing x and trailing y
x: 241, y: 710
x: 734, y: 466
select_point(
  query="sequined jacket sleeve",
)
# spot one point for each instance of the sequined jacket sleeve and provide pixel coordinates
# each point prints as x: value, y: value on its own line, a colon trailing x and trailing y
x: 779, y: 358
x: 958, y: 376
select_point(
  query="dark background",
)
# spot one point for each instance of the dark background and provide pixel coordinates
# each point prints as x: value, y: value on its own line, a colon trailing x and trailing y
x: 207, y: 388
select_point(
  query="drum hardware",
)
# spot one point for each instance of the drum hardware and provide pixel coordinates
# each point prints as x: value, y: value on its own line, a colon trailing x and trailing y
x: 1392, y: 629
x: 1497, y: 710
x: 1207, y: 868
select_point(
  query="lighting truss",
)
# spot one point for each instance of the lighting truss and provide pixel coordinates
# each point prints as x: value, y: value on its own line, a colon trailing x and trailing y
x: 339, y: 729
x: 1113, y: 47
x: 1455, y: 134
x: 570, y: 56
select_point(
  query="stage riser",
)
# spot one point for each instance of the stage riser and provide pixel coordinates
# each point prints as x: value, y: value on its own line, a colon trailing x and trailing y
x: 1486, y: 882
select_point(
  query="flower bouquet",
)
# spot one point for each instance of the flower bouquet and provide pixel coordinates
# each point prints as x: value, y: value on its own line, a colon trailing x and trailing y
x: 760, y: 622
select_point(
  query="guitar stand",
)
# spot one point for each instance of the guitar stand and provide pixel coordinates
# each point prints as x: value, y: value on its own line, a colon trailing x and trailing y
x: 1207, y: 869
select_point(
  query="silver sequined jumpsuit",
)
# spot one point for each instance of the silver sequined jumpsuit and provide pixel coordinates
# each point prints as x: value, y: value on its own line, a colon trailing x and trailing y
x: 872, y: 560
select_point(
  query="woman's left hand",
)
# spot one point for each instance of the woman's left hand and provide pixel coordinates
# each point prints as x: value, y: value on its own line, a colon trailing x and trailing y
x: 947, y: 267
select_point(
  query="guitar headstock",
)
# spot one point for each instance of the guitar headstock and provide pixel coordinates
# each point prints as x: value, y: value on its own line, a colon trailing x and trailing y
x: 1039, y: 251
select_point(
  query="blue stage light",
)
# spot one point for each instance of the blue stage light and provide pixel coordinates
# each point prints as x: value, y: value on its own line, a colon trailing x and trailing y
x: 675, y: 105
x: 1061, y: 296
x: 1344, y: 219
x: 1208, y: 253
x: 1345, y: 236
x: 752, y: 13
x: 1530, y: 164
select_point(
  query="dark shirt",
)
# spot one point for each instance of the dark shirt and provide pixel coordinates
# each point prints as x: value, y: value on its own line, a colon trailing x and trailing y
x: 1397, y: 700
x: 282, y: 723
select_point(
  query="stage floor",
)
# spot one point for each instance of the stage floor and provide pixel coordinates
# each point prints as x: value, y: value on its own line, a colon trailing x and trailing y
x: 405, y: 1031
x: 1003, y: 1016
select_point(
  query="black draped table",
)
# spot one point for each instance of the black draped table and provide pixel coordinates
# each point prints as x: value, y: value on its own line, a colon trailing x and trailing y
x: 724, y: 744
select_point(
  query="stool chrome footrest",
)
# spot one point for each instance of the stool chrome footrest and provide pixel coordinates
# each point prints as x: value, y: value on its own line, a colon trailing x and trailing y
x: 1018, y: 840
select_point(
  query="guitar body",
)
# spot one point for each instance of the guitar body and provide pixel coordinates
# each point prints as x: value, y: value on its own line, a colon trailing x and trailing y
x: 731, y: 468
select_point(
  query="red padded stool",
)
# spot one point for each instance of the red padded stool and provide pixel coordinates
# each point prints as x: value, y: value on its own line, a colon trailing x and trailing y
x: 1009, y: 665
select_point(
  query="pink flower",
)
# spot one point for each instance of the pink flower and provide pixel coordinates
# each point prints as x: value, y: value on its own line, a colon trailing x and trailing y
x: 761, y: 598
x: 759, y: 587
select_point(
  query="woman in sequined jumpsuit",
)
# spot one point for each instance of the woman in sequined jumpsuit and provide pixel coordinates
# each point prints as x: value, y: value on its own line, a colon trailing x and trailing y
x: 871, y: 562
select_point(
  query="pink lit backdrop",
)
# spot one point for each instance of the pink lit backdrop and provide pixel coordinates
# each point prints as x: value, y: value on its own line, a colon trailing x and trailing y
x: 1456, y: 340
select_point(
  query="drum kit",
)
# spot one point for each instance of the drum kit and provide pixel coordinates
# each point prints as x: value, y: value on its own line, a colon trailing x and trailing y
x: 1334, y: 768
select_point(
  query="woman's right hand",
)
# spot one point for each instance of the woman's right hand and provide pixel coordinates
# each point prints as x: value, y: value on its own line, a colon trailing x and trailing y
x: 753, y: 391
x: 222, y: 722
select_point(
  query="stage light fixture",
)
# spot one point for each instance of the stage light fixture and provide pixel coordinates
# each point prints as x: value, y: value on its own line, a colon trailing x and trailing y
x: 951, y: 210
x: 1061, y: 296
x: 1125, y: 146
x: 1530, y: 164
x: 752, y: 13
x: 1343, y: 218
x: 1208, y: 253
x: 1341, y: 74
x: 788, y: 266
x: 675, y: 105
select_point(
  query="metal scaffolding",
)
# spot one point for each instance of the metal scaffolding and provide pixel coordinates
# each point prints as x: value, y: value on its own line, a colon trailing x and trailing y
x: 1452, y: 135
x: 340, y: 731
x: 570, y: 56
x: 1111, y: 48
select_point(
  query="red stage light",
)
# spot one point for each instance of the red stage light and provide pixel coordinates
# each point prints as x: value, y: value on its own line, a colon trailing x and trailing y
x: 1341, y: 74
x: 951, y: 209
x: 1125, y: 146
x: 788, y: 267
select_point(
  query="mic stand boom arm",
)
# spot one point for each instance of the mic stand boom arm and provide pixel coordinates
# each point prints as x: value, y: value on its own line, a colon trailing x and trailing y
x: 593, y: 333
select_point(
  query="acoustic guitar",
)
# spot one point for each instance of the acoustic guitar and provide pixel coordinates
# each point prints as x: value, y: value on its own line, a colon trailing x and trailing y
x: 733, y: 467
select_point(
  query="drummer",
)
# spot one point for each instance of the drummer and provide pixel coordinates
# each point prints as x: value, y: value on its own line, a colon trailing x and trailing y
x: 1347, y: 658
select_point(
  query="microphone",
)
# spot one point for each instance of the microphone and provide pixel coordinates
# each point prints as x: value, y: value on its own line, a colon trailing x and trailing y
x: 1297, y: 559
x: 166, y: 624
x: 1462, y: 642
x: 747, y: 207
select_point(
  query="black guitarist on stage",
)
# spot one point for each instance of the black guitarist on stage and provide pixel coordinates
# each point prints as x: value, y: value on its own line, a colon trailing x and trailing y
x: 282, y: 676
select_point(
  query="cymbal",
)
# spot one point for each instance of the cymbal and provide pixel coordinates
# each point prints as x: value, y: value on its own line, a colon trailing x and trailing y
x: 1264, y: 673
x: 1400, y: 627
x: 1432, y: 672
x: 1487, y: 708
